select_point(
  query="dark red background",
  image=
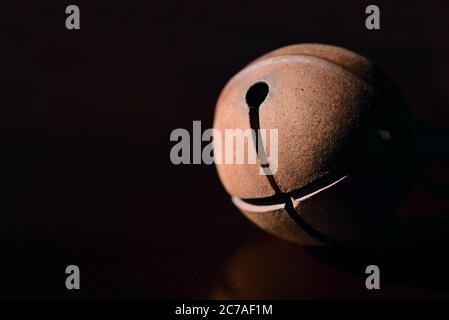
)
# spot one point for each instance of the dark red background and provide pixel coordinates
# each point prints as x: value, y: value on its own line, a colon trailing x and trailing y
x: 86, y: 118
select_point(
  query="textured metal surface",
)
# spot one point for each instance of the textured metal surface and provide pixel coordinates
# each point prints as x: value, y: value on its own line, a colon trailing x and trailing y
x: 336, y: 115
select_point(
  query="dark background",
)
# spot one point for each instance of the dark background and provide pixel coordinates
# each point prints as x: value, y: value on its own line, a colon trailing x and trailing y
x: 85, y: 171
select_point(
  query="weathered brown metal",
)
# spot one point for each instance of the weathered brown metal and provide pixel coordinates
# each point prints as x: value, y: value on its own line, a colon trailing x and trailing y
x: 345, y: 143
